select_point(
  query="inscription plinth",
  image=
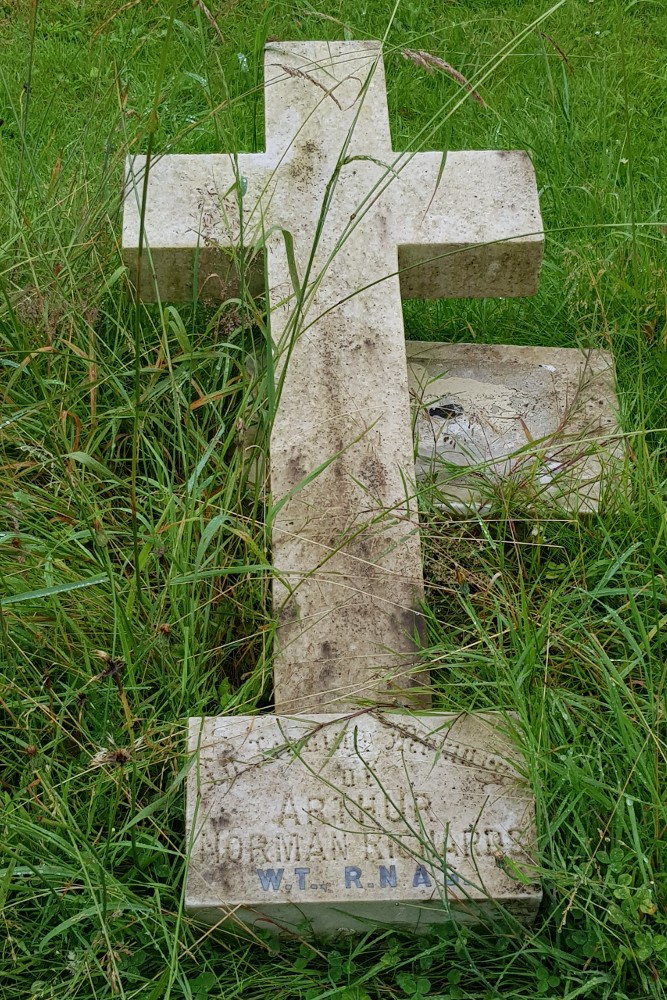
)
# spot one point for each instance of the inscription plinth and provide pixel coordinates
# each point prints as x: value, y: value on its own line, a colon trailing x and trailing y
x: 333, y: 823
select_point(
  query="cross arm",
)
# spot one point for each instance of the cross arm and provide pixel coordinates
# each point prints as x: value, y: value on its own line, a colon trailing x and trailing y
x: 471, y: 230
x: 192, y: 226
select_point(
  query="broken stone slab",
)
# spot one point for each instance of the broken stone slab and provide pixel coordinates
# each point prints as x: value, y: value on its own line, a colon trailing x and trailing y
x: 331, y: 823
x: 545, y: 419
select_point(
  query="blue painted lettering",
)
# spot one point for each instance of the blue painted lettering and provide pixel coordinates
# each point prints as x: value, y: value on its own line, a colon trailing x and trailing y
x: 352, y: 877
x: 270, y: 879
x: 421, y: 877
x: 301, y: 875
x: 387, y: 876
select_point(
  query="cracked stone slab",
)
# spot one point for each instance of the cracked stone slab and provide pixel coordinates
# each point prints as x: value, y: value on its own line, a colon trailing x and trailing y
x: 545, y: 419
x: 327, y: 823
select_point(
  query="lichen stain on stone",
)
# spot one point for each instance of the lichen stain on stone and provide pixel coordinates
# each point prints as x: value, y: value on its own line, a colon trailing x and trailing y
x: 288, y: 614
x: 411, y: 622
x: 296, y: 468
x: 302, y: 167
x: 327, y: 675
x: 373, y: 474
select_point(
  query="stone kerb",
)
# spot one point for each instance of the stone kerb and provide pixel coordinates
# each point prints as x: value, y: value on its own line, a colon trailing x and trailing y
x: 541, y: 421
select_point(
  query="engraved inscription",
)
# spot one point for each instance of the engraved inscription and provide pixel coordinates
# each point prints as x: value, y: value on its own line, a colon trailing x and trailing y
x: 403, y: 739
x: 358, y: 807
x: 241, y: 847
x: 272, y: 879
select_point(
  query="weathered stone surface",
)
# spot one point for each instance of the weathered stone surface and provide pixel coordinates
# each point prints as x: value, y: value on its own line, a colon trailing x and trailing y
x: 544, y: 418
x: 333, y: 823
x: 346, y: 539
x: 327, y: 820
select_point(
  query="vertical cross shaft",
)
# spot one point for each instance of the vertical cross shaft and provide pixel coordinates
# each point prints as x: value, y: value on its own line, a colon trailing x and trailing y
x: 347, y: 543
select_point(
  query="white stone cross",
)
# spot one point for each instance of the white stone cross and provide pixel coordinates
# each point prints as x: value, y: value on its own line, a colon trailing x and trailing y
x: 369, y: 815
x: 367, y: 226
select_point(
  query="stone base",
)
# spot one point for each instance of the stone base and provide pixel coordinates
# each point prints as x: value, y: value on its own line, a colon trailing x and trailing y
x: 542, y: 418
x: 334, y: 823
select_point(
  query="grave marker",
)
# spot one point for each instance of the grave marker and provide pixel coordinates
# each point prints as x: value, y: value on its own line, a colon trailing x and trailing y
x: 347, y: 628
x: 340, y: 215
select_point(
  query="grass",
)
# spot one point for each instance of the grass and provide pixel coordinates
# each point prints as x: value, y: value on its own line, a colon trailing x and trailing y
x: 132, y: 550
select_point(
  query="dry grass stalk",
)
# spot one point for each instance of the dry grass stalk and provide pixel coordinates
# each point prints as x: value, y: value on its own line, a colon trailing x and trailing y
x: 209, y: 17
x: 559, y: 51
x: 306, y: 76
x: 430, y: 62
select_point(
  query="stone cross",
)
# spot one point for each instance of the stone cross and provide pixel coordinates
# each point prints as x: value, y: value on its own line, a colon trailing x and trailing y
x: 366, y: 226
x: 346, y: 227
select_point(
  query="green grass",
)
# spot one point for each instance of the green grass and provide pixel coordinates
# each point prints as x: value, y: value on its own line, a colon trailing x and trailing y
x: 121, y: 464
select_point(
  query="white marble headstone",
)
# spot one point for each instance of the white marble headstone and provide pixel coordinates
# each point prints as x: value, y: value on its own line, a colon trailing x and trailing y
x: 406, y: 820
